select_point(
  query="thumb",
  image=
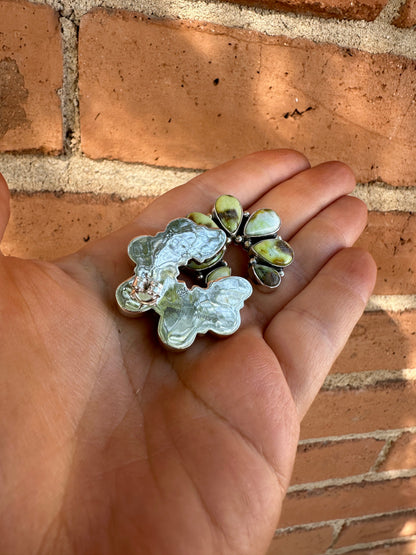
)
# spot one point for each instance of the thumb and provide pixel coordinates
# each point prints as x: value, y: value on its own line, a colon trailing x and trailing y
x: 4, y: 205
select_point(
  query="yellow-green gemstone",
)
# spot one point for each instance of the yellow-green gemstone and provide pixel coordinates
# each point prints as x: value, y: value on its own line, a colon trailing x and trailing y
x: 194, y: 265
x: 202, y: 219
x: 218, y: 273
x: 229, y: 212
x: 275, y: 251
x: 266, y: 275
x: 262, y: 222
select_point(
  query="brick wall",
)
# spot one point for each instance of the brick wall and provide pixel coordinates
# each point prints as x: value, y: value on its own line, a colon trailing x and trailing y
x: 103, y: 108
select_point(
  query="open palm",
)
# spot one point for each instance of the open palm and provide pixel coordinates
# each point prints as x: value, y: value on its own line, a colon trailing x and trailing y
x: 110, y: 444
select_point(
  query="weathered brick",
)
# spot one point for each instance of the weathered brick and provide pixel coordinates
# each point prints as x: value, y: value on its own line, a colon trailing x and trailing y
x: 348, y: 501
x: 192, y: 94
x: 377, y: 529
x: 390, y: 237
x: 344, y: 9
x: 407, y: 15
x: 399, y: 548
x: 322, y: 461
x: 386, y: 406
x: 380, y: 341
x: 402, y: 454
x: 30, y: 77
x: 47, y: 226
x: 302, y: 542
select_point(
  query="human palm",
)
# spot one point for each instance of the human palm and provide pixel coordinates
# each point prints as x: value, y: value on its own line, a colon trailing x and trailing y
x: 110, y: 444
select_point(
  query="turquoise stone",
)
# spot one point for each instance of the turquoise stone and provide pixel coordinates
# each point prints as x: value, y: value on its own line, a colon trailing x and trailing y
x: 262, y: 222
x: 229, y: 213
x: 266, y: 275
x: 275, y: 251
x: 218, y: 273
x: 202, y: 219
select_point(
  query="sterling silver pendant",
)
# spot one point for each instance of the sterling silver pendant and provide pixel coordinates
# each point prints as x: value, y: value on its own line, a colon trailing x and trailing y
x: 184, y: 313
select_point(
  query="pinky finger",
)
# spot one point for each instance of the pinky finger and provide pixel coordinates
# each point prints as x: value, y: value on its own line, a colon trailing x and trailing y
x: 4, y: 205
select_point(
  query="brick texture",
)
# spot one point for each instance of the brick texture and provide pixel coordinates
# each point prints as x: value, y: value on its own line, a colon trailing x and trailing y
x: 302, y: 542
x: 388, y: 406
x: 323, y: 461
x: 400, y: 548
x: 193, y: 94
x: 380, y: 341
x: 407, y: 15
x: 348, y: 501
x: 402, y: 454
x: 47, y: 226
x: 390, y: 237
x: 377, y: 529
x: 30, y: 77
x: 344, y: 9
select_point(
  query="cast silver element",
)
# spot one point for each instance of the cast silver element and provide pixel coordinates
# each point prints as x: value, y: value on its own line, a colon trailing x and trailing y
x: 183, y: 312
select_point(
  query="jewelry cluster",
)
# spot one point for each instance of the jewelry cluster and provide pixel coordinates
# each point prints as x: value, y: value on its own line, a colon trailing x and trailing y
x: 198, y: 244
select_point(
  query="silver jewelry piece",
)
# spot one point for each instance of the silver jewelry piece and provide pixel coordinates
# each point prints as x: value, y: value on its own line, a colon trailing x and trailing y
x: 183, y: 312
x: 256, y: 233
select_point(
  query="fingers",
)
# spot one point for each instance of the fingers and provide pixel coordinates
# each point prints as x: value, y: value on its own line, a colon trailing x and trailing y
x: 248, y: 179
x: 309, y: 333
x: 304, y: 195
x: 4, y: 206
x: 336, y: 227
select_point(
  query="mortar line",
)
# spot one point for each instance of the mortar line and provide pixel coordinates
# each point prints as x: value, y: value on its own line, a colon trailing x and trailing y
x: 69, y: 94
x: 378, y: 36
x: 368, y: 379
x: 371, y: 545
x: 376, y: 434
x: 366, y: 478
x: 78, y: 174
x: 380, y: 197
x: 383, y: 454
x: 338, y: 521
x: 391, y: 303
x: 390, y: 11
x: 336, y: 532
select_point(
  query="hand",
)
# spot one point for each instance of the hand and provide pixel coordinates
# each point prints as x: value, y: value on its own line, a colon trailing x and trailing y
x: 110, y: 444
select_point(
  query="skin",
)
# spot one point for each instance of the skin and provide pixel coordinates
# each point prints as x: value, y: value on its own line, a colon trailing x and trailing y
x: 111, y: 444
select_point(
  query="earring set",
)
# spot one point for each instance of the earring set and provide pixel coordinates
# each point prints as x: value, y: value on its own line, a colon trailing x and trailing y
x: 198, y: 245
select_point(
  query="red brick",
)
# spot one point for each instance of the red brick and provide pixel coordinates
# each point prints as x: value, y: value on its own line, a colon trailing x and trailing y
x: 386, y: 406
x: 323, y: 461
x: 302, y: 542
x: 377, y: 529
x: 344, y: 9
x: 380, y: 341
x: 390, y: 237
x: 192, y: 94
x: 348, y: 501
x: 407, y: 15
x: 401, y: 548
x: 30, y: 77
x: 47, y: 226
x: 402, y: 454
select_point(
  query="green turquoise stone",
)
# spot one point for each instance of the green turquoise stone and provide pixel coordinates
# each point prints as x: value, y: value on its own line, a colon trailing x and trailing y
x: 266, y: 275
x: 229, y: 213
x: 194, y: 265
x: 274, y: 251
x: 262, y: 222
x: 202, y: 219
x: 218, y: 273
